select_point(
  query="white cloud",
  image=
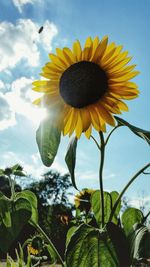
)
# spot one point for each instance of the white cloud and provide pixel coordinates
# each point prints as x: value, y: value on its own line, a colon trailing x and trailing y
x: 20, y: 3
x: 140, y: 202
x: 2, y: 86
x: 18, y: 100
x: 21, y: 41
x: 32, y: 165
x: 7, y: 115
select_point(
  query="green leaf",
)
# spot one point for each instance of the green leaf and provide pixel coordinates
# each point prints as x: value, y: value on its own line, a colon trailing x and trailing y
x: 1, y: 172
x: 17, y: 167
x: 71, y: 159
x: 139, y: 240
x: 120, y: 244
x: 70, y: 233
x: 139, y: 132
x: 20, y: 215
x: 31, y: 197
x: 90, y: 247
x: 97, y: 206
x: 5, y: 207
x: 130, y: 217
x: 114, y: 195
x: 48, y: 139
x: 52, y: 253
x: 19, y: 173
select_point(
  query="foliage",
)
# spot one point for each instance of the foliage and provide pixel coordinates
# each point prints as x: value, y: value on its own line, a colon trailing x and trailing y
x: 100, y: 235
x: 52, y: 189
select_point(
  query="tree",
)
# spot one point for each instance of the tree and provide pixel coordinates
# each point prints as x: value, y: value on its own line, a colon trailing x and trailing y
x: 52, y: 189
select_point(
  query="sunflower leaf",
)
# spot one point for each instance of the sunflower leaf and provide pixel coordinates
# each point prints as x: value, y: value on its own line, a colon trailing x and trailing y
x: 130, y: 217
x: 90, y: 247
x: 139, y: 132
x: 48, y: 140
x: 70, y: 159
x: 139, y: 241
x: 97, y: 206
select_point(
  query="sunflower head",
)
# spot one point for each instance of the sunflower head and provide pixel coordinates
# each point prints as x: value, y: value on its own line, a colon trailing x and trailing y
x: 32, y: 250
x: 82, y: 200
x: 84, y: 87
x: 35, y: 247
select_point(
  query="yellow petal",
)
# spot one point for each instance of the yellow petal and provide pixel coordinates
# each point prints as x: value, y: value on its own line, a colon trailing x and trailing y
x: 125, y: 77
x: 114, y: 57
x: 100, y: 49
x: 121, y: 61
x: 85, y: 117
x: 94, y: 118
x: 118, y: 70
x: 57, y: 61
x: 54, y: 67
x: 106, y: 116
x: 68, y: 123
x: 61, y: 55
x: 109, y: 48
x: 101, y: 121
x: 38, y: 101
x: 86, y: 54
x: 69, y: 56
x: 107, y: 56
x: 88, y: 42
x: 88, y: 132
x: 78, y: 128
x: 74, y: 122
x: 95, y: 45
x: 77, y: 50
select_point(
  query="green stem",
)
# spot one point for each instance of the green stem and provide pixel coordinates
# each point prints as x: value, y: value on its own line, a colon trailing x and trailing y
x: 107, y: 139
x: 101, y: 174
x: 40, y: 230
x: 12, y: 186
x: 145, y: 218
x: 125, y: 188
x: 96, y: 142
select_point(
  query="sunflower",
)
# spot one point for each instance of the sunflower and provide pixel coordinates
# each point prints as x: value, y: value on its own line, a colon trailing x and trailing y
x: 85, y: 87
x: 82, y: 200
x: 32, y: 250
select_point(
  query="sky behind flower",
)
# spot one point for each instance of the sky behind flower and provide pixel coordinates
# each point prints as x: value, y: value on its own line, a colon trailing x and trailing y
x: 23, y: 51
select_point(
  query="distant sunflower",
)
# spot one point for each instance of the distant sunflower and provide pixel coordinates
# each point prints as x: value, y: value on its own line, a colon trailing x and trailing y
x: 82, y: 200
x: 84, y: 87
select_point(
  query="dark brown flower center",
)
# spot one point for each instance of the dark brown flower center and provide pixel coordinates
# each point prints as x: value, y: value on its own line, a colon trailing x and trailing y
x: 82, y: 84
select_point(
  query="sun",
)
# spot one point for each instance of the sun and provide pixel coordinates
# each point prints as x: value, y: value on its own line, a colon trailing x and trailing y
x: 84, y: 87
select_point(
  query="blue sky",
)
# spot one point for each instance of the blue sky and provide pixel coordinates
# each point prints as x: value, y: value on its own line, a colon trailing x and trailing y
x: 24, y: 52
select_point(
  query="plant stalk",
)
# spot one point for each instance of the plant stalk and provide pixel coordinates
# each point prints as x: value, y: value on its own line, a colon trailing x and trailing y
x: 109, y: 135
x: 40, y: 230
x: 101, y: 174
x: 96, y: 142
x: 125, y: 188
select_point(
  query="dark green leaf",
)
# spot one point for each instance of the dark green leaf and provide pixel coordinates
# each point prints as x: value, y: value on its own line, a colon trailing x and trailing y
x: 140, y: 132
x: 97, y: 206
x: 114, y: 195
x: 70, y: 233
x: 48, y: 139
x: 71, y: 159
x: 120, y: 244
x: 17, y: 167
x: 5, y: 207
x: 52, y: 253
x: 130, y: 217
x: 19, y: 173
x: 31, y: 197
x: 20, y: 215
x: 1, y: 172
x: 139, y: 240
x: 90, y: 247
